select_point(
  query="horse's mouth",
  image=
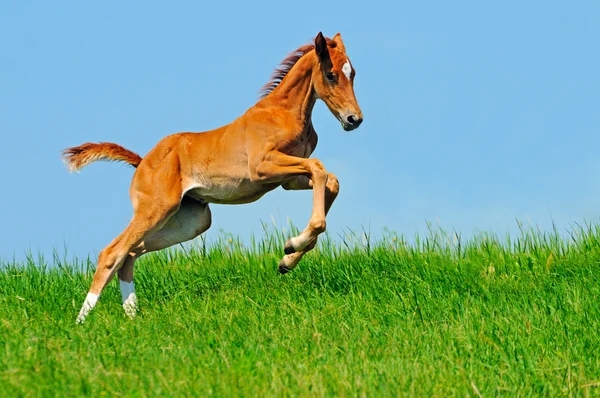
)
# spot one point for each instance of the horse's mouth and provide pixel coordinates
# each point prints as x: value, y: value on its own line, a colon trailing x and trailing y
x: 349, y: 127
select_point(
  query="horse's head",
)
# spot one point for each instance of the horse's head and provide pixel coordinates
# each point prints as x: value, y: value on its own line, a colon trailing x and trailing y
x: 334, y: 81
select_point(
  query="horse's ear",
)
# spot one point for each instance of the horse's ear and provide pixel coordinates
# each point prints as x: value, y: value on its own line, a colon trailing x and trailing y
x: 338, y: 40
x: 321, y: 46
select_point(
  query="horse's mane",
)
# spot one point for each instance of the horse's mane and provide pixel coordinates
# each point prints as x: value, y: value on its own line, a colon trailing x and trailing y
x: 286, y: 65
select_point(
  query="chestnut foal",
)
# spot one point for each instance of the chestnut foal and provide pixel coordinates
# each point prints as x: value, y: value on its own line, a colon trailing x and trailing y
x: 267, y: 147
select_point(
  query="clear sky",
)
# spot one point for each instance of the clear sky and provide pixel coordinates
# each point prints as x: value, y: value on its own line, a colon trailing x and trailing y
x: 476, y: 113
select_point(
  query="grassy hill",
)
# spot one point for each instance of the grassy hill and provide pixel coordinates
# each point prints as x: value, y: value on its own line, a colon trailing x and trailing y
x: 443, y: 316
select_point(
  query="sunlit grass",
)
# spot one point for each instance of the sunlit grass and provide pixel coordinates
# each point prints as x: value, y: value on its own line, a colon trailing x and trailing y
x: 440, y: 316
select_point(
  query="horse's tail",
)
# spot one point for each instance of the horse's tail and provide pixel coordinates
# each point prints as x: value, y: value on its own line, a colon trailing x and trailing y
x: 79, y: 156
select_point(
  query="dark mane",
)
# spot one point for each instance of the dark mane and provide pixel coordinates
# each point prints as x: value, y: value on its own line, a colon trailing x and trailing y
x: 284, y: 67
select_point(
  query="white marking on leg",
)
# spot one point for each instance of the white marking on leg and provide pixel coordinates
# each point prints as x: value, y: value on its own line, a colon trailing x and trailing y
x: 129, y: 298
x: 301, y: 241
x: 347, y: 69
x: 88, y: 304
x: 297, y: 242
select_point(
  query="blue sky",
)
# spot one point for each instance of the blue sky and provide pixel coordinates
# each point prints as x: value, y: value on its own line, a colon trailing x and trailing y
x: 475, y: 113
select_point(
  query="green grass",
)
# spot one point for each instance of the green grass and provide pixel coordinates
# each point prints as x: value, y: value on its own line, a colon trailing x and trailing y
x: 440, y: 317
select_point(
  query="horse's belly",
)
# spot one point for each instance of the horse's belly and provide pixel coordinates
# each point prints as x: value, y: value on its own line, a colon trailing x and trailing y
x: 232, y: 193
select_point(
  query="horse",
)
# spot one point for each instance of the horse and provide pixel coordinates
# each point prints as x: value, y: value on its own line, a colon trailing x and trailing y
x: 267, y: 147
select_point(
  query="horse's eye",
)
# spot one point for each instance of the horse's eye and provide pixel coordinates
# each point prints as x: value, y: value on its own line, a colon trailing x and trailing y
x: 330, y: 76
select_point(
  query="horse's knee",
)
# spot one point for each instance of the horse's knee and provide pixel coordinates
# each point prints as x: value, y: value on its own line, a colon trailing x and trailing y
x: 333, y: 184
x: 317, y: 169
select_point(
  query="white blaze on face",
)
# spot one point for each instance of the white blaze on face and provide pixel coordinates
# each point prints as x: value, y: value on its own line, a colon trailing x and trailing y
x: 347, y: 69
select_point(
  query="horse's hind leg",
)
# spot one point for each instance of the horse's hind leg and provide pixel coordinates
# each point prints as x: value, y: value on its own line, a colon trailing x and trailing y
x: 152, y: 217
x: 127, y: 287
x: 192, y: 219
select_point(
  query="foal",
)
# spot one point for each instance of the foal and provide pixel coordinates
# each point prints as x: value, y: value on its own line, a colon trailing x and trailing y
x: 267, y: 147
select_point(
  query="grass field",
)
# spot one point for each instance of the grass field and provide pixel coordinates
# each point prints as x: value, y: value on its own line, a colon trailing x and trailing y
x: 439, y: 317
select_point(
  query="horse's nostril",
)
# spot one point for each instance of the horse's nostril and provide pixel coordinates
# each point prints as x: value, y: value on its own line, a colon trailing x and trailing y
x: 353, y: 120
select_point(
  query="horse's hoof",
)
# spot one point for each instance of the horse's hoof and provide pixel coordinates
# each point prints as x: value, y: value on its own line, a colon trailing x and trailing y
x: 283, y: 269
x: 289, y: 247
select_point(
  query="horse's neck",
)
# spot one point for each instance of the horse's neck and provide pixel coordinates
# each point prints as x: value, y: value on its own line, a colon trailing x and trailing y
x: 296, y: 93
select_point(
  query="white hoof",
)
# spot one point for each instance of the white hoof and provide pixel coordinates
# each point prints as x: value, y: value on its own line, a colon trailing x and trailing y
x: 88, y: 304
x: 130, y: 306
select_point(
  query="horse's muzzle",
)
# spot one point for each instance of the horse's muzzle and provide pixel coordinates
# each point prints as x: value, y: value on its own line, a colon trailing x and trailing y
x: 351, y: 122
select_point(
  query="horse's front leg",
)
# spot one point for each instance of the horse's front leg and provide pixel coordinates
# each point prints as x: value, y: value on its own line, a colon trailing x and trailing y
x: 332, y: 188
x: 276, y: 166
